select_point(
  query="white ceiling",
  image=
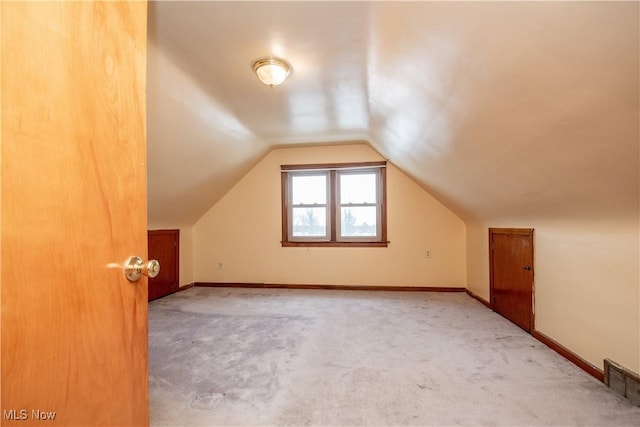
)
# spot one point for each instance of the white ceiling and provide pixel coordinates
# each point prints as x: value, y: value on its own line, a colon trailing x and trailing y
x: 501, y: 110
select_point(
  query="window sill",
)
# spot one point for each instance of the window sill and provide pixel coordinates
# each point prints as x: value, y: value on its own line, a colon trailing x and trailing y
x: 290, y: 244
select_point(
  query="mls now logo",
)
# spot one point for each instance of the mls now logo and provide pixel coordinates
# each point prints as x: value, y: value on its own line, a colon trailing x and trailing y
x: 23, y: 414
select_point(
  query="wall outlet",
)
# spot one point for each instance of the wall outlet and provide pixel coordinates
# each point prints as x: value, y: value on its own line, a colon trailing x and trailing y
x: 427, y: 254
x: 220, y: 266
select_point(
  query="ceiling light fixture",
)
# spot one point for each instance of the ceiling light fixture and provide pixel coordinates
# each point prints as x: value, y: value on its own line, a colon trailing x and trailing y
x: 271, y: 71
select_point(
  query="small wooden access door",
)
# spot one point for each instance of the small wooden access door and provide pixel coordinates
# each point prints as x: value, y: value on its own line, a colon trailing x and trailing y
x: 164, y: 245
x: 511, y: 274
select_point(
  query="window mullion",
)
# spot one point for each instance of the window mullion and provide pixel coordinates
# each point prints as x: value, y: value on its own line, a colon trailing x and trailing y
x: 357, y: 205
x: 333, y: 211
x: 312, y: 205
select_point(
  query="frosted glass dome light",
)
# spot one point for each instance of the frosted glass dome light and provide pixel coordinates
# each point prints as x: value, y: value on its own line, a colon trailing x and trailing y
x: 271, y: 71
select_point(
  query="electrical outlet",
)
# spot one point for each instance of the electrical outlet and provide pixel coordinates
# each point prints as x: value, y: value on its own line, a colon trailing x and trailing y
x: 427, y: 254
x: 220, y: 266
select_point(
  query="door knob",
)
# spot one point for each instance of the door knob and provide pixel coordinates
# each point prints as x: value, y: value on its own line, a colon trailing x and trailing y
x: 526, y: 267
x: 134, y: 268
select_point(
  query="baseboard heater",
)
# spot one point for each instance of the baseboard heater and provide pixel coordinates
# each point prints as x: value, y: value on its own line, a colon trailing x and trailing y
x: 622, y: 381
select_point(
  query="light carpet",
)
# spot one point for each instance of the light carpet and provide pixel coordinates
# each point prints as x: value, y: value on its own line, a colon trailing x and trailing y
x: 223, y: 356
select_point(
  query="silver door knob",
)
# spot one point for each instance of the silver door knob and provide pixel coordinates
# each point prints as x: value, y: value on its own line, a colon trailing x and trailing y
x: 134, y: 268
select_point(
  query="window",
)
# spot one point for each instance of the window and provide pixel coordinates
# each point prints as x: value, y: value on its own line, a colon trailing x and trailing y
x: 334, y: 204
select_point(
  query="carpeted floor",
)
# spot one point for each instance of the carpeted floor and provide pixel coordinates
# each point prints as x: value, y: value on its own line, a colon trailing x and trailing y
x: 221, y: 356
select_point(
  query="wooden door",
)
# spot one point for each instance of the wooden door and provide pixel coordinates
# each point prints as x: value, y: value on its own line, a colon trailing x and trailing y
x: 73, y: 209
x: 511, y: 274
x: 164, y: 245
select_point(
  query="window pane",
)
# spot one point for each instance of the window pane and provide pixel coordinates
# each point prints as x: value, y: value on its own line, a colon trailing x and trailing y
x: 358, y: 188
x: 309, y: 222
x: 309, y: 189
x: 358, y: 221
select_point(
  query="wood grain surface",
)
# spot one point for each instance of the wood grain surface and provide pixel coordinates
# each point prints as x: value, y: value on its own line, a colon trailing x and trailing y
x: 74, y: 330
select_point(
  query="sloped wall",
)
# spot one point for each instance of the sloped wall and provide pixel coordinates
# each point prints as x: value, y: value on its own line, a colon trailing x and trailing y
x: 587, y: 283
x: 243, y: 233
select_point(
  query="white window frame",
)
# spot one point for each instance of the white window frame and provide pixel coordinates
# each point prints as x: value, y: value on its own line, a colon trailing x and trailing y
x: 339, y: 205
x: 327, y: 207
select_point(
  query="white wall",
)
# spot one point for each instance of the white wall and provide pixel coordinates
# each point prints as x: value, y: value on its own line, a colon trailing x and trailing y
x: 587, y: 283
x: 243, y: 232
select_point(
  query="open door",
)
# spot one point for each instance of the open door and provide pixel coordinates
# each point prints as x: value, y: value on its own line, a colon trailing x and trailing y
x: 511, y: 274
x: 73, y: 209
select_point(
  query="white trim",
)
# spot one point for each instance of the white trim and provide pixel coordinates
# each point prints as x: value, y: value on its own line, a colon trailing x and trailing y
x: 290, y: 206
x: 378, y: 205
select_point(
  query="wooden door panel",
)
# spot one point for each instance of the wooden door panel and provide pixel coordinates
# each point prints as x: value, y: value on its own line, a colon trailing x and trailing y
x: 511, y: 273
x: 74, y: 330
x: 164, y: 246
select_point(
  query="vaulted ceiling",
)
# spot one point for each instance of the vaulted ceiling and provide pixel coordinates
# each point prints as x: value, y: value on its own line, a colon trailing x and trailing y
x: 500, y: 110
